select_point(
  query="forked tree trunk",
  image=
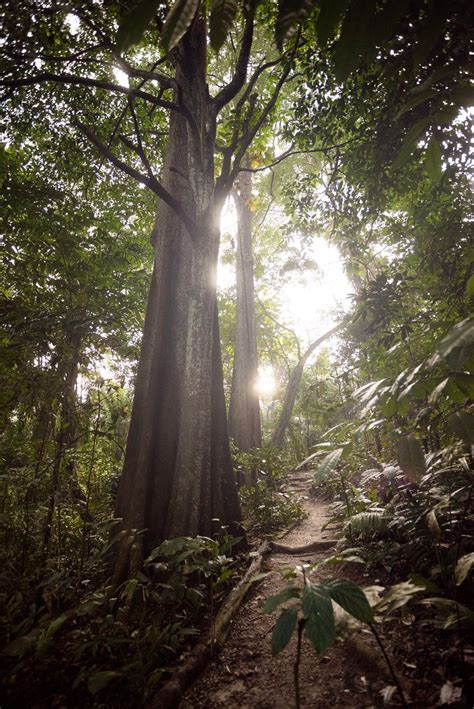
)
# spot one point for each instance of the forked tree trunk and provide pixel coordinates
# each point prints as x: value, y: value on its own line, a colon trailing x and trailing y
x: 244, y: 408
x: 292, y: 388
x: 177, y: 475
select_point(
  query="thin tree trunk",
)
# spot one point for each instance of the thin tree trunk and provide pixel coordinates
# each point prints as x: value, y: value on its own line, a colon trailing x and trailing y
x: 292, y: 388
x: 40, y: 438
x: 66, y: 434
x: 244, y: 408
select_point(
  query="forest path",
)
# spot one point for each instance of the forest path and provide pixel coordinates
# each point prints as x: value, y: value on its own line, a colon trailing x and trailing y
x: 245, y: 675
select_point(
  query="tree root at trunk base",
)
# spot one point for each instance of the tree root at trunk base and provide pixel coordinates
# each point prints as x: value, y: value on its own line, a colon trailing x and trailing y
x: 171, y: 693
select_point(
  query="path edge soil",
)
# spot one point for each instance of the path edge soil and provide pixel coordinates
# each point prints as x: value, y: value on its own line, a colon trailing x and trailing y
x: 181, y: 680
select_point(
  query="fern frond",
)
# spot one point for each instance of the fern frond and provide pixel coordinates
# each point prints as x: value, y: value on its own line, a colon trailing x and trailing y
x: 369, y: 523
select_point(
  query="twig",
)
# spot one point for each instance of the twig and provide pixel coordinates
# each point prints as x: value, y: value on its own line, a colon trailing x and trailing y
x: 296, y: 667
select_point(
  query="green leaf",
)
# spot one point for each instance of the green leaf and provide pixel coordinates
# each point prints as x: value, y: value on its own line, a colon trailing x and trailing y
x: 177, y: 22
x: 169, y: 547
x: 454, y: 391
x: 55, y: 625
x: 433, y: 163
x: 356, y: 38
x: 319, y: 627
x: 20, y: 646
x: 100, y: 680
x: 290, y: 14
x: 450, y: 614
x: 134, y: 23
x: 463, y: 568
x: 456, y: 387
x: 458, y: 345
x: 314, y: 599
x: 274, y: 601
x: 438, y: 390
x: 366, y: 392
x: 328, y: 464
x: 410, y: 142
x: 220, y: 21
x: 350, y: 597
x: 283, y: 630
x: 423, y: 583
x: 446, y: 116
x: 260, y: 576
x: 399, y: 595
x: 411, y: 458
x: 433, y: 524
x: 330, y: 14
x: 368, y: 523
x: 129, y: 589
x: 470, y: 287
x: 462, y: 424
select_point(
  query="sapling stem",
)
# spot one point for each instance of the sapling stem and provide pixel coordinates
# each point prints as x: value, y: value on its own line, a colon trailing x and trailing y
x: 296, y: 667
x: 390, y: 666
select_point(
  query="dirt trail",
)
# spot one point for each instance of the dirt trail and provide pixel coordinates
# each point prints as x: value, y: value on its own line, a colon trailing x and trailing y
x: 245, y: 674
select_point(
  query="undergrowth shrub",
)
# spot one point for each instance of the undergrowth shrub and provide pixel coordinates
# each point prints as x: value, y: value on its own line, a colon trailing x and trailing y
x: 118, y: 642
x: 268, y: 510
x: 267, y: 504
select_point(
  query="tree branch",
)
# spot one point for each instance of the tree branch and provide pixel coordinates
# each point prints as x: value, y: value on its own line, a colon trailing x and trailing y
x: 288, y: 153
x: 148, y: 180
x: 19, y: 56
x: 140, y: 150
x: 233, y: 87
x: 228, y: 174
x: 85, y: 81
x: 282, y: 327
x: 166, y: 82
x: 247, y: 140
x: 254, y: 78
x: 293, y: 385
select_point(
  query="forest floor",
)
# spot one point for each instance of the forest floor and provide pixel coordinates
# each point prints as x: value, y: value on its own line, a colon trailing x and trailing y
x: 245, y: 675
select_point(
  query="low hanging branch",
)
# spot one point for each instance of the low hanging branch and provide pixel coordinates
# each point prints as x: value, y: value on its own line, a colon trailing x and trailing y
x: 293, y: 386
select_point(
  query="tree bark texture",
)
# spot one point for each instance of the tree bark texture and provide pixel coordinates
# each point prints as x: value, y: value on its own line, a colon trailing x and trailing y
x: 177, y: 475
x: 244, y: 408
x: 292, y: 388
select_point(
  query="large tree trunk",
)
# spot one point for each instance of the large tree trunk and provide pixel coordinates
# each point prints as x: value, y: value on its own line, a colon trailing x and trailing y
x: 177, y: 475
x: 244, y: 408
x: 292, y: 388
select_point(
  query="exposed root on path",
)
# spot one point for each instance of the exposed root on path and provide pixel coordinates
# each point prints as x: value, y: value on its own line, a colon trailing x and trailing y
x: 320, y: 545
x: 170, y: 694
x: 243, y: 670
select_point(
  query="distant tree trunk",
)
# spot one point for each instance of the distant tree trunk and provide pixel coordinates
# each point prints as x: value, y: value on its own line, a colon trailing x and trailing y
x: 244, y: 408
x: 67, y: 432
x: 292, y: 388
x: 177, y: 476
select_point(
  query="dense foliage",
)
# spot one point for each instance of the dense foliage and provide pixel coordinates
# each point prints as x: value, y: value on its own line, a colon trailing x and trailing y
x: 360, y: 111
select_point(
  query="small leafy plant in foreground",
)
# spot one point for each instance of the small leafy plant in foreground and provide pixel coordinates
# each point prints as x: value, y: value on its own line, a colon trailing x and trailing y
x: 311, y: 614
